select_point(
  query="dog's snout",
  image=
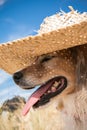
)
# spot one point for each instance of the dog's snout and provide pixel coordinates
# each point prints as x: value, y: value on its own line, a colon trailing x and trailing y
x: 17, y: 77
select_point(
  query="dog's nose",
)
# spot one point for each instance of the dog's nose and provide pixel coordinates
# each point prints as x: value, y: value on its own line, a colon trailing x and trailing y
x: 17, y: 77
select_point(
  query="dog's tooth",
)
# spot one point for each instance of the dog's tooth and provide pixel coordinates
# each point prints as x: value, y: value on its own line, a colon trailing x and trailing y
x: 56, y: 84
x: 53, y: 89
x: 48, y: 91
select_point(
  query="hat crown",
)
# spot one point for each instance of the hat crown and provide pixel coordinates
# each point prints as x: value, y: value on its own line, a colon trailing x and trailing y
x: 62, y: 20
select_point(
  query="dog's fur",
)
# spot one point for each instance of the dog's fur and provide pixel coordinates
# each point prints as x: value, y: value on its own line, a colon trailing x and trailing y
x: 68, y: 110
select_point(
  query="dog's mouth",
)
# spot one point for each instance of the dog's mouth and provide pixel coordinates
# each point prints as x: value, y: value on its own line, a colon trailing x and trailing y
x: 45, y: 92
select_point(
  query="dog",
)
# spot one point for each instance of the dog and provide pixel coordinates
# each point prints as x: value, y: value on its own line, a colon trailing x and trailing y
x: 63, y: 106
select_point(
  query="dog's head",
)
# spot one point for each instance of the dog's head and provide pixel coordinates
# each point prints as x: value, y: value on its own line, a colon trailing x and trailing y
x: 56, y: 72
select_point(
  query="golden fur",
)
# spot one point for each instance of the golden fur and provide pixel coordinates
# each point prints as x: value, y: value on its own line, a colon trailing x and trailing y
x: 68, y: 110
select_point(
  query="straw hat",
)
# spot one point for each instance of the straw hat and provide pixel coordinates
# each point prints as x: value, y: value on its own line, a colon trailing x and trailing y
x: 57, y: 32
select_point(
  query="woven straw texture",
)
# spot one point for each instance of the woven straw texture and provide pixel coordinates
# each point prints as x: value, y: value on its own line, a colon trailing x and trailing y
x: 57, y: 32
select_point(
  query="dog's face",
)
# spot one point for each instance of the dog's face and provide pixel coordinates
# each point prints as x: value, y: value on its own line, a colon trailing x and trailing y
x: 61, y: 76
x: 55, y: 67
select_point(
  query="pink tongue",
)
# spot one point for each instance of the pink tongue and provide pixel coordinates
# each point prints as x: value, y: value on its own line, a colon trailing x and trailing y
x: 35, y: 97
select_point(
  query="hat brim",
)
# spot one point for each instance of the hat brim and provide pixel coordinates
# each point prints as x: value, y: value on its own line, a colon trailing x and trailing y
x: 19, y: 54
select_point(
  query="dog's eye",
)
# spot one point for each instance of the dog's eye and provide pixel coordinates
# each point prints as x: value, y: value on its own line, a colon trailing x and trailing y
x: 46, y: 58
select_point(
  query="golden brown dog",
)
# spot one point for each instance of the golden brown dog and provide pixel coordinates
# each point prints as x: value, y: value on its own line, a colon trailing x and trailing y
x: 63, y: 105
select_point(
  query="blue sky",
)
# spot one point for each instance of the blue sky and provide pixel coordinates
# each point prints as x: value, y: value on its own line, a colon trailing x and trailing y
x: 20, y: 18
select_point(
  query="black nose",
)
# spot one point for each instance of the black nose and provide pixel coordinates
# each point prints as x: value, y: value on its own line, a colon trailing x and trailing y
x: 17, y: 77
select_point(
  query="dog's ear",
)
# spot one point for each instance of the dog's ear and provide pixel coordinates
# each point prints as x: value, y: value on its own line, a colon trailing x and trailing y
x: 81, y: 67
